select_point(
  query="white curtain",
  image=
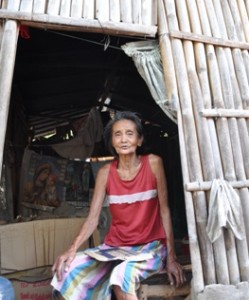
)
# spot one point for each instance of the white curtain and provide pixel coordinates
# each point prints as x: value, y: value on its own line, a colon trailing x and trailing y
x: 147, y: 59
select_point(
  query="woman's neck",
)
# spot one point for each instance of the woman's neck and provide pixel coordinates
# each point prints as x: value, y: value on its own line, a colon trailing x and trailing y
x: 128, y: 167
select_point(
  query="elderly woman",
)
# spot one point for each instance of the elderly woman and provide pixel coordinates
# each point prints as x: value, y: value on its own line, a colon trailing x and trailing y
x: 136, y: 189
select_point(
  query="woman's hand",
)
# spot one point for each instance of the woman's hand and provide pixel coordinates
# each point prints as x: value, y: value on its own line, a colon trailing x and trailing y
x: 62, y: 263
x: 175, y: 272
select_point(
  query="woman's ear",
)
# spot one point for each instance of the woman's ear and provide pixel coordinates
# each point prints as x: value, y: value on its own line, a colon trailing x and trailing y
x: 140, y: 141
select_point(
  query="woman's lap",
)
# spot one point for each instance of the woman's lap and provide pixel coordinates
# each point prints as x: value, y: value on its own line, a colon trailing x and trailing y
x: 91, y: 279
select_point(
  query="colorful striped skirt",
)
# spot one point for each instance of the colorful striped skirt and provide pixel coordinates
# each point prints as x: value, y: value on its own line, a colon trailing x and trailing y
x: 90, y: 279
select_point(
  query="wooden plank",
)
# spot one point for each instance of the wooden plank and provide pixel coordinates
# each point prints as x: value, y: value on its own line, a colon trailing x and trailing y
x: 39, y: 6
x: 225, y: 113
x: 7, y: 63
x: 89, y: 9
x: 114, y: 10
x: 83, y: 25
x: 26, y: 6
x: 77, y: 8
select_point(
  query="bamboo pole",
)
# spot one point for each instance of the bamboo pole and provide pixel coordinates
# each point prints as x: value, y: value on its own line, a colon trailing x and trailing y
x: 239, y: 142
x: 13, y: 4
x: 227, y: 113
x: 26, y: 5
x: 114, y: 10
x: 81, y: 25
x: 76, y: 8
x: 208, y: 40
x: 147, y: 11
x: 7, y: 62
x: 39, y: 6
x: 236, y: 35
x: 243, y: 259
x: 126, y: 11
x: 53, y: 7
x: 102, y: 10
x: 225, y: 148
x: 204, y: 144
x: 196, y: 260
x: 167, y: 59
x: 206, y: 185
x: 65, y: 8
x: 188, y: 126
x: 136, y: 11
x: 89, y: 9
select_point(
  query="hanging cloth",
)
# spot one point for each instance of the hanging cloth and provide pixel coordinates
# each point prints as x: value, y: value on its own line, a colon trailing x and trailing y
x: 224, y: 211
x: 147, y: 59
x: 82, y: 145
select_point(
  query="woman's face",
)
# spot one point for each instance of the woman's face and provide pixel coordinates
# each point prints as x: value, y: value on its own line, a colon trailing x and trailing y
x: 125, y: 139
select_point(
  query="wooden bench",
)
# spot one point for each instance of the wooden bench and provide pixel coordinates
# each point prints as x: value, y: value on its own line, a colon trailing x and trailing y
x: 158, y: 285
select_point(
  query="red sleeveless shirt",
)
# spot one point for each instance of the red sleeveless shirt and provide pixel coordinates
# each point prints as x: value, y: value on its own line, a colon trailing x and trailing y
x: 134, y: 207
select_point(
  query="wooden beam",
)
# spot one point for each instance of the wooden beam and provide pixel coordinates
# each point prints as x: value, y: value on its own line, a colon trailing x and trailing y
x: 77, y: 24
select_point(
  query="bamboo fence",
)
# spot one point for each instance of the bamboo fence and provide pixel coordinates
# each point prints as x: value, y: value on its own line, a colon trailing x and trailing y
x: 209, y: 42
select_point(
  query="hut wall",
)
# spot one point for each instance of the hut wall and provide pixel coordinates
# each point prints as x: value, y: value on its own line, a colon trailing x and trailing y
x: 204, y: 46
x: 208, y: 42
x: 132, y: 17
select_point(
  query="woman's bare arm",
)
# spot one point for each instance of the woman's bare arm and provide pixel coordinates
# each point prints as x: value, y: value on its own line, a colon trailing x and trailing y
x: 63, y: 261
x: 174, y: 270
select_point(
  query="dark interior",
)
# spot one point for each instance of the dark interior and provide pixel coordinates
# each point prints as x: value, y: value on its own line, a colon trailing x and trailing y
x: 60, y: 76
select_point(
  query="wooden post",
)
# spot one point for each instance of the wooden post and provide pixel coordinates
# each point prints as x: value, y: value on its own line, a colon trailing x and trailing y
x: 7, y: 62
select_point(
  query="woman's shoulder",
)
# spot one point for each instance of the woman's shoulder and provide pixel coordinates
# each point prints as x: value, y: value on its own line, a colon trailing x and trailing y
x: 154, y: 159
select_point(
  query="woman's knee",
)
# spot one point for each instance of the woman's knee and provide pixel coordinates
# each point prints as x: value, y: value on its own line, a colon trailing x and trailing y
x: 120, y: 295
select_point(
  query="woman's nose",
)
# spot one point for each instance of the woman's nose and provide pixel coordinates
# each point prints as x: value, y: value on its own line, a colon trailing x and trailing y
x: 123, y: 138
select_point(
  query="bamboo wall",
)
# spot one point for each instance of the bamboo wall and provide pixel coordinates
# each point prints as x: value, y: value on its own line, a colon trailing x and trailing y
x: 204, y: 46
x: 131, y: 16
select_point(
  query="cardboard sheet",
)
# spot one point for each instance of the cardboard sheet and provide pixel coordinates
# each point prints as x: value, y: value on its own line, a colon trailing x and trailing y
x: 36, y: 243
